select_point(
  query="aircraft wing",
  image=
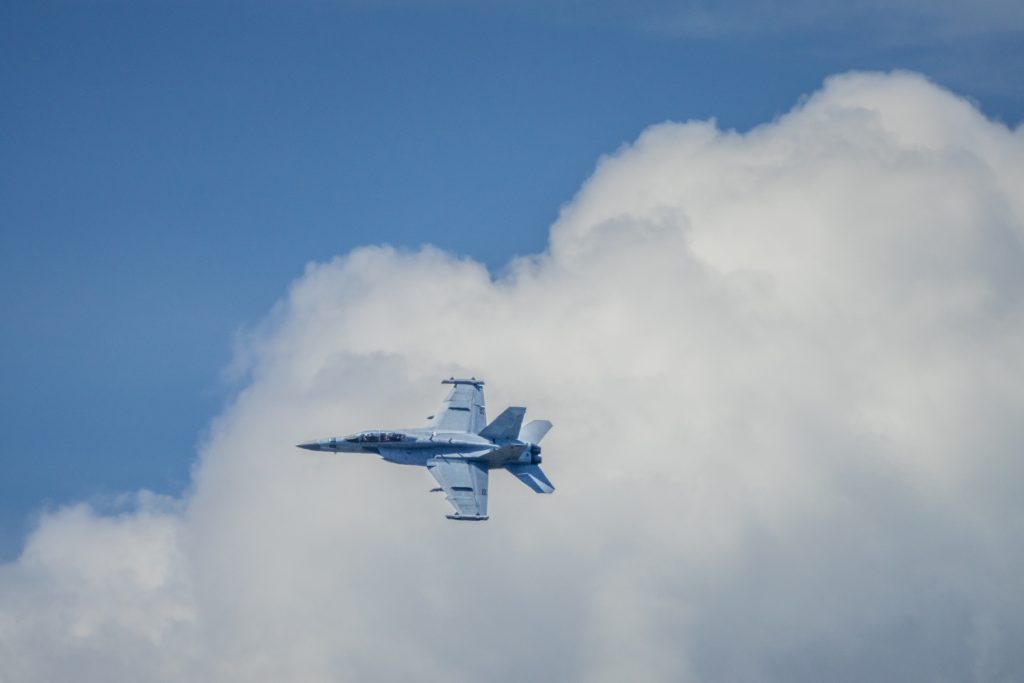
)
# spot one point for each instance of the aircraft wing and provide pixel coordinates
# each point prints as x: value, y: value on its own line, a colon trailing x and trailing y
x: 463, y: 410
x: 464, y: 483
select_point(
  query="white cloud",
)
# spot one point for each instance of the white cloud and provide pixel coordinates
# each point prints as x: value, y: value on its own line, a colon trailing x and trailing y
x: 784, y: 372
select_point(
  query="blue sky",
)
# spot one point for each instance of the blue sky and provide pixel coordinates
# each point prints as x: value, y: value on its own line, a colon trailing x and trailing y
x: 167, y: 169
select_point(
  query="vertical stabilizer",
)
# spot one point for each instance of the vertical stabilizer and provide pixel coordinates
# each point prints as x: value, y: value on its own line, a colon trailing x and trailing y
x: 506, y: 426
x: 534, y: 431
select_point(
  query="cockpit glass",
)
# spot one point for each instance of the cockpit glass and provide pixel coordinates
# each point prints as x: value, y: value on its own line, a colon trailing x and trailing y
x: 376, y: 437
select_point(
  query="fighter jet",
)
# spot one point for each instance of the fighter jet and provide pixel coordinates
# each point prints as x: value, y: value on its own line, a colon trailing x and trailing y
x: 458, y: 449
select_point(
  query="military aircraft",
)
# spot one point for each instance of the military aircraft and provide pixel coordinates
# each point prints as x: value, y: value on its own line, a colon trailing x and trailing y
x: 458, y: 449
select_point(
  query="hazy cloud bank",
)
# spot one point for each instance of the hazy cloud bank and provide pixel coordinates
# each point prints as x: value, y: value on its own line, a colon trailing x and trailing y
x: 784, y: 369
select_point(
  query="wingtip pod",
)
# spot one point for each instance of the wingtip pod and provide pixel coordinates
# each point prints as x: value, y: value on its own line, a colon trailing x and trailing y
x: 467, y: 518
x: 462, y: 380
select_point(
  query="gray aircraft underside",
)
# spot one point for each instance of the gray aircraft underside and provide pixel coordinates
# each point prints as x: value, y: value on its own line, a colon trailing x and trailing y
x: 458, y: 449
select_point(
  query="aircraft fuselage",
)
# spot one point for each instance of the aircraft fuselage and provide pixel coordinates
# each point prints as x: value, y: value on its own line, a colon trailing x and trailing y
x: 417, y: 446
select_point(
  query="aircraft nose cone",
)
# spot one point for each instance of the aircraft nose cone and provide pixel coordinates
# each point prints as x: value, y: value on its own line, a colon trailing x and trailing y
x: 309, y: 445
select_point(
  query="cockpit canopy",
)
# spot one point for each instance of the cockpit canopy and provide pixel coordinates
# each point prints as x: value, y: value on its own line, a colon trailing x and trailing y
x: 377, y: 437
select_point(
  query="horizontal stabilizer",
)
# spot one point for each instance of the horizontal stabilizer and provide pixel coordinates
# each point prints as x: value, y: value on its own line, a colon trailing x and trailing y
x: 532, y: 476
x: 506, y: 426
x: 534, y: 431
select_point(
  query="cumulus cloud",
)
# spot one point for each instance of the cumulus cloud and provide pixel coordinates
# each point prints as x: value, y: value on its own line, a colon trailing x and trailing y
x: 784, y: 368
